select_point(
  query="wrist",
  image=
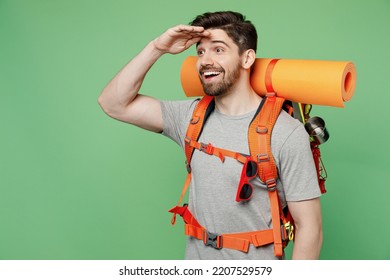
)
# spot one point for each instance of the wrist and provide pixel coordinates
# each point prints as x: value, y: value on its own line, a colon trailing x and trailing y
x: 156, y: 49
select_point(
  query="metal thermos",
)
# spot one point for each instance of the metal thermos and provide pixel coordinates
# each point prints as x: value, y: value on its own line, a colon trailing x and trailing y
x: 315, y: 126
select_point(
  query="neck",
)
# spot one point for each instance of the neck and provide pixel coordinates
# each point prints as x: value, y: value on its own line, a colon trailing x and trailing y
x: 241, y: 99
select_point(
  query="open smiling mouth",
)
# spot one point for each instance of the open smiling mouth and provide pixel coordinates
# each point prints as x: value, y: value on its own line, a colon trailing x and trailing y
x: 209, y: 75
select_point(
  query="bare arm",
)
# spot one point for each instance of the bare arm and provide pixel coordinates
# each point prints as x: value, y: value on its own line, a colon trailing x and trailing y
x: 308, y: 223
x: 121, y: 100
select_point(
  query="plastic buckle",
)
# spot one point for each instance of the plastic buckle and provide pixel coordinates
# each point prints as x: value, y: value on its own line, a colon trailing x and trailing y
x: 212, y: 239
x: 271, y: 184
x: 207, y: 148
x: 263, y: 158
x: 261, y: 130
x: 195, y: 120
x: 270, y: 94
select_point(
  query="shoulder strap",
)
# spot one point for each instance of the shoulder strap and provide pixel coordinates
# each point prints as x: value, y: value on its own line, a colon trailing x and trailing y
x: 259, y: 137
x: 201, y: 112
x: 199, y: 116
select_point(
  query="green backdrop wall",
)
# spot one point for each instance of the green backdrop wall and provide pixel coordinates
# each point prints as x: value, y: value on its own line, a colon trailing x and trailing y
x: 75, y: 184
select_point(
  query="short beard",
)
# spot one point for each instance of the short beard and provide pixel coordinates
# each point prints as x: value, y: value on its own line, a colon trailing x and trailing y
x: 224, y: 86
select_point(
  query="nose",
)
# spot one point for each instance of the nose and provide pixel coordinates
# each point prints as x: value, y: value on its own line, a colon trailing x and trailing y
x: 206, y: 60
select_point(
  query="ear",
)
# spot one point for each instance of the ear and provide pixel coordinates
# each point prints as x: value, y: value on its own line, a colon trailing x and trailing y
x: 248, y: 58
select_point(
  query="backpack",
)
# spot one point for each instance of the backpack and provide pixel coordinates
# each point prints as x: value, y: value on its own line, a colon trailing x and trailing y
x: 259, y: 137
x: 334, y: 82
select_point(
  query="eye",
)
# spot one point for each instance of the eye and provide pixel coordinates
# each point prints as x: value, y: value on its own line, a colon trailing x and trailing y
x: 219, y: 50
x: 200, y: 52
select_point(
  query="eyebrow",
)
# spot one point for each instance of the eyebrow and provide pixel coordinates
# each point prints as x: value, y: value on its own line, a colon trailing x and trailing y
x: 215, y: 42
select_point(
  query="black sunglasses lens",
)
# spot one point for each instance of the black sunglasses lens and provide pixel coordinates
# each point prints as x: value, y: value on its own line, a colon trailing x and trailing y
x: 251, y: 168
x: 246, y: 191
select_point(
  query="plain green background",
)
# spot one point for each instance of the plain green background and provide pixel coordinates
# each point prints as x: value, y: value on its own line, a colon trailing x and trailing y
x: 76, y: 184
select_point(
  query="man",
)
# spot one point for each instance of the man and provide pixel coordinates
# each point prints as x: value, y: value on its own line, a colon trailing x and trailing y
x: 226, y: 48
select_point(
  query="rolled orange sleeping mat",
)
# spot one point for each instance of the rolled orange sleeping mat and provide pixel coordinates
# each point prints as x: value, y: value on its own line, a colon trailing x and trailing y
x: 318, y: 82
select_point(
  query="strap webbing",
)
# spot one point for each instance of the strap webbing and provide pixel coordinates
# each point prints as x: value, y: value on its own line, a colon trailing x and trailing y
x: 193, y: 132
x: 218, y: 152
x: 319, y: 166
x: 268, y: 75
x: 236, y: 241
x: 196, y: 124
x: 183, y: 192
x: 259, y: 137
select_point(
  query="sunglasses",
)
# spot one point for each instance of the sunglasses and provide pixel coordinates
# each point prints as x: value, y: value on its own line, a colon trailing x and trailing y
x: 245, y: 189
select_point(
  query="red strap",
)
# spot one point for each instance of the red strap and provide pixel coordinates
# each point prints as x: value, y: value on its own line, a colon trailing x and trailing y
x: 185, y: 213
x: 268, y: 75
x: 319, y: 166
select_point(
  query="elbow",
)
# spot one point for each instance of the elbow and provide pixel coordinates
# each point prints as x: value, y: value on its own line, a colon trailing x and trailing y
x: 104, y: 104
x: 111, y: 107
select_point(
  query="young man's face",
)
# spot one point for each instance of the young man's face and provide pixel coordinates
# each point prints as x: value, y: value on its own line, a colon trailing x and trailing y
x: 218, y: 63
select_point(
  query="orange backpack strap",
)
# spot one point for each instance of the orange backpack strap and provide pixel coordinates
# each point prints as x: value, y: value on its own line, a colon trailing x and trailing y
x: 259, y: 137
x: 237, y: 241
x: 199, y: 116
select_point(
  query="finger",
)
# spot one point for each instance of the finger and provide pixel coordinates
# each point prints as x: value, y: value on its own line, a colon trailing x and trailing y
x: 195, y: 38
x: 206, y: 33
x: 192, y: 41
x: 188, y: 29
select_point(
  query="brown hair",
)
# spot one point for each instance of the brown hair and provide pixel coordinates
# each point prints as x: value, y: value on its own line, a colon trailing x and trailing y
x: 240, y: 30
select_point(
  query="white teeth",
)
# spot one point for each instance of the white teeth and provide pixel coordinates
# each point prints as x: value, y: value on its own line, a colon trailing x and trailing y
x: 211, y: 73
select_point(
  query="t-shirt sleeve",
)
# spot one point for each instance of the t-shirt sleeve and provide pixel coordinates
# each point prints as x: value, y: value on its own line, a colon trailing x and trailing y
x: 176, y: 116
x: 297, y: 170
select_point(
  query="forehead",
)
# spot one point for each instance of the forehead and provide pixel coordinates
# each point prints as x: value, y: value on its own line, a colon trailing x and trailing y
x: 216, y: 36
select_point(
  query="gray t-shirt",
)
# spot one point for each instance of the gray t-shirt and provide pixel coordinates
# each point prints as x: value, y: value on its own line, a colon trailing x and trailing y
x: 214, y: 183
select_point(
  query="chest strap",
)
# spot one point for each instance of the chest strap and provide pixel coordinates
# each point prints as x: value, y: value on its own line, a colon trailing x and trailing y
x: 218, y: 152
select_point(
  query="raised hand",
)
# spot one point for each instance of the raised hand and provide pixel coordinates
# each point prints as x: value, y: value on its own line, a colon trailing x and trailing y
x: 121, y: 100
x: 179, y: 38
